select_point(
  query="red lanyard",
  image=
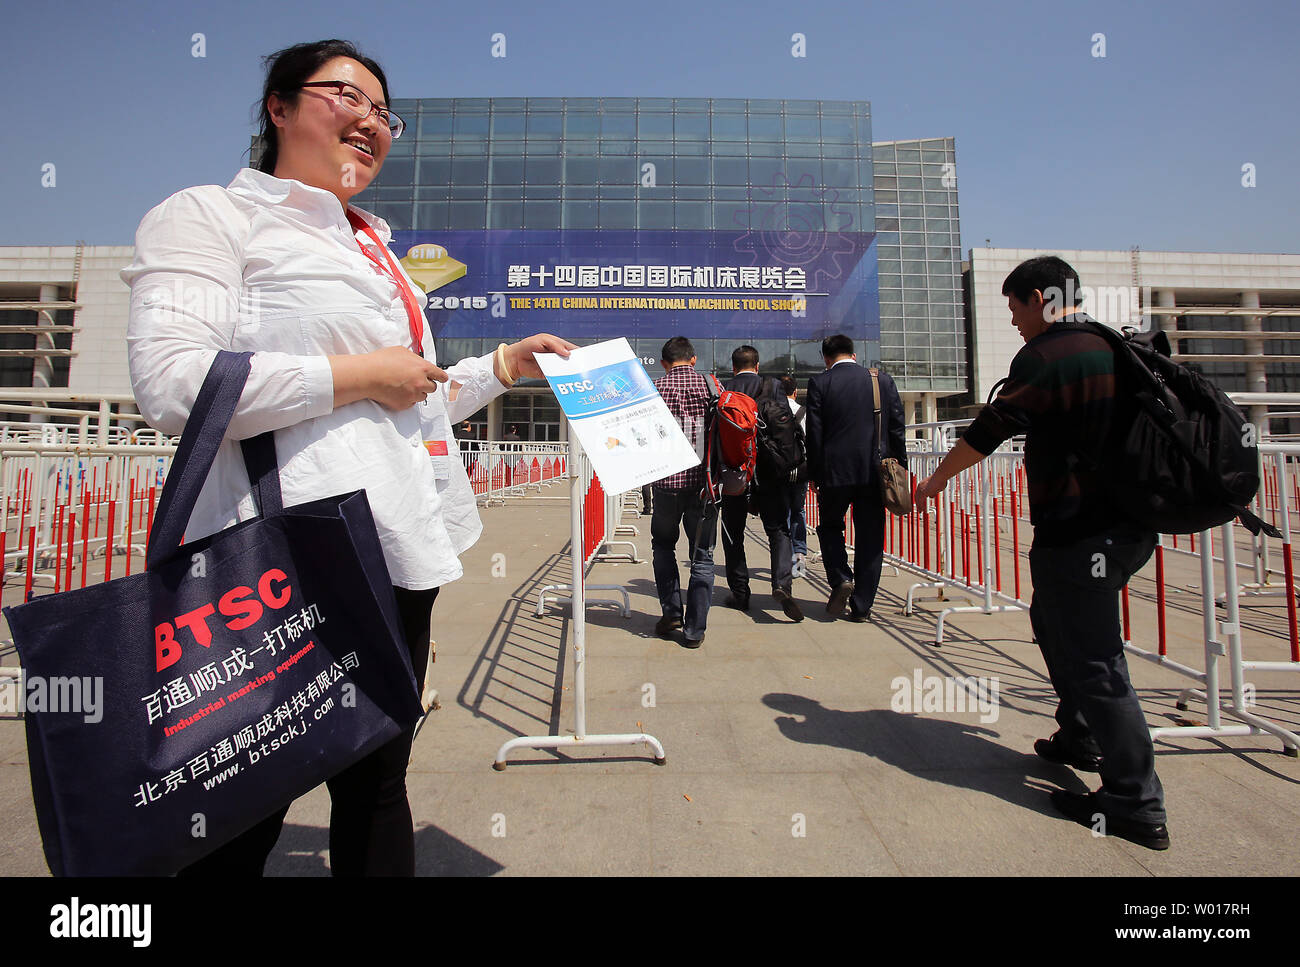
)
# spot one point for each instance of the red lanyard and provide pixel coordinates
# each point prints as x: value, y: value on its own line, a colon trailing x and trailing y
x: 413, y: 314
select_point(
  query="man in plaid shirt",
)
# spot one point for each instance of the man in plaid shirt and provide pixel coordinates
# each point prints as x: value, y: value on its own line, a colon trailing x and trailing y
x: 678, y: 503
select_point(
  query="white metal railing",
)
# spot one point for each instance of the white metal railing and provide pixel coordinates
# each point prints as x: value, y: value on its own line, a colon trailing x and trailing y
x: 498, y: 470
x: 973, y: 539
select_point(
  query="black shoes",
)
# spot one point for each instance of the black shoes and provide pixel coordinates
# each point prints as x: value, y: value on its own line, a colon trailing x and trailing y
x: 839, y: 598
x: 688, y: 643
x: 788, y: 604
x: 1054, y: 750
x: 666, y: 625
x: 859, y: 619
x: 1083, y: 809
x: 738, y: 602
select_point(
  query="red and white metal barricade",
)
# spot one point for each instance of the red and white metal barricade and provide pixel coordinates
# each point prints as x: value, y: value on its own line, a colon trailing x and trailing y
x: 994, y: 492
x: 966, y: 526
x: 498, y: 470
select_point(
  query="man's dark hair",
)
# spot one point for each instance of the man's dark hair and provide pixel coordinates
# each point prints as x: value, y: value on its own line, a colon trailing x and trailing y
x: 788, y: 385
x: 744, y: 357
x: 678, y: 350
x: 287, y: 70
x: 1045, y: 273
x: 837, y: 345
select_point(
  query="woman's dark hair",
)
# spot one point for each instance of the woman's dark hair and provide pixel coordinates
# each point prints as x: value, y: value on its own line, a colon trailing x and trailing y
x: 287, y: 70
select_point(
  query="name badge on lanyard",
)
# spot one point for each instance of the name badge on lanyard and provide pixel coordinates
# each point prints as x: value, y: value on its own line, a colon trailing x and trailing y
x: 434, y: 429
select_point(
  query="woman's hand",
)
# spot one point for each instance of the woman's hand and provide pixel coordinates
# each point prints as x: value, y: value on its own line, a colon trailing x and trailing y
x: 519, y: 356
x: 393, y: 377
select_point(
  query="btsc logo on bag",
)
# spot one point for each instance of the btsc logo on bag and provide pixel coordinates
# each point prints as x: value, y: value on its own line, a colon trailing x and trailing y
x: 238, y: 604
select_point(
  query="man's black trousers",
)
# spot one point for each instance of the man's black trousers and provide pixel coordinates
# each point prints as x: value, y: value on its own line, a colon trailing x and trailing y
x: 1076, y: 619
x: 868, y: 544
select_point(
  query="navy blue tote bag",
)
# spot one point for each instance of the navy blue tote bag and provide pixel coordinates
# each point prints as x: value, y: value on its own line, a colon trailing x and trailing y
x: 238, y: 671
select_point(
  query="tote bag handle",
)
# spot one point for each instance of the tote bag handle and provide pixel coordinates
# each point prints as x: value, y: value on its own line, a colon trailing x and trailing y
x: 204, y: 431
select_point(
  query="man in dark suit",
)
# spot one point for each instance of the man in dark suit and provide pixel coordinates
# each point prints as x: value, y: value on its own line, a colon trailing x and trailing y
x: 844, y: 464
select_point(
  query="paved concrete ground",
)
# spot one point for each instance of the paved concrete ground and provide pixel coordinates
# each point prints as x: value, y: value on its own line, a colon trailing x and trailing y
x: 784, y: 755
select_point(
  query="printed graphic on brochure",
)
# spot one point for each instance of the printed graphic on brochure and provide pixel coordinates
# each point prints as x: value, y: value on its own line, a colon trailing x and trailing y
x: 618, y: 416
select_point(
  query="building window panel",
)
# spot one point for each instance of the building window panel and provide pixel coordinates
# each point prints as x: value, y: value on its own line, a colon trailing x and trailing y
x: 435, y: 127
x: 617, y: 214
x: 655, y: 127
x: 691, y: 127
x: 619, y: 171
x: 549, y: 126
x: 618, y: 125
x: 431, y: 215
x: 509, y: 127
x: 731, y: 215
x: 692, y: 215
x: 467, y: 214
x: 542, y: 214
x: 469, y: 171
x: 505, y: 214
x: 581, y: 214
x: 728, y: 127
x: 730, y: 171
x: 507, y: 171
x: 765, y: 127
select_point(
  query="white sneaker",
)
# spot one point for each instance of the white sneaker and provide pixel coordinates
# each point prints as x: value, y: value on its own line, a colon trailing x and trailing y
x: 797, y: 568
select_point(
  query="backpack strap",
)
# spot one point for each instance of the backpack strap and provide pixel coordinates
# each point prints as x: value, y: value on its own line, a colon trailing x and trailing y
x: 712, y: 451
x: 712, y: 442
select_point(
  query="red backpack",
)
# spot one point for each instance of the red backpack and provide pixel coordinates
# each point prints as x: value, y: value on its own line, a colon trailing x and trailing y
x: 731, y: 443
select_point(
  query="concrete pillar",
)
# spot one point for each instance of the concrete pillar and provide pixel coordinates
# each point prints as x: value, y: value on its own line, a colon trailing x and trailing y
x: 494, y: 430
x: 1165, y: 300
x: 929, y: 407
x: 1256, y: 371
x: 42, y: 369
x: 1167, y: 324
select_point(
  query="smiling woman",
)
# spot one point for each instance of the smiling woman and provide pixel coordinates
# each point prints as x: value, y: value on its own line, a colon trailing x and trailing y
x: 344, y: 372
x: 325, y: 117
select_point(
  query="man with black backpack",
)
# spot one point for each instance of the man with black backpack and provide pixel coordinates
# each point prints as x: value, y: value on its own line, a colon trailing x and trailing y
x: 1061, y: 393
x: 780, y: 452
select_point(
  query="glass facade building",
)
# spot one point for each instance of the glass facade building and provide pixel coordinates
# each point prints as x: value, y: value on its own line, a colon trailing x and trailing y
x: 922, y: 324
x: 876, y: 226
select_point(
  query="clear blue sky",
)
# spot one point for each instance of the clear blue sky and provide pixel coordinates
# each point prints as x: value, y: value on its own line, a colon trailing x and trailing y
x: 1055, y: 148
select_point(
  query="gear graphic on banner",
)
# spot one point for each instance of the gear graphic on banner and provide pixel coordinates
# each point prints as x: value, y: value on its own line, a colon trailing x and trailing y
x: 793, y: 231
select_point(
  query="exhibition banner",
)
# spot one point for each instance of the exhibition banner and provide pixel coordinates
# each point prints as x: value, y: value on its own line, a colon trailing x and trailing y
x: 604, y: 283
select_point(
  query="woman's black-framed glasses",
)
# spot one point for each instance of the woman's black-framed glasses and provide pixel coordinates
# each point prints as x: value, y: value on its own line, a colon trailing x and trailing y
x: 355, y: 101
